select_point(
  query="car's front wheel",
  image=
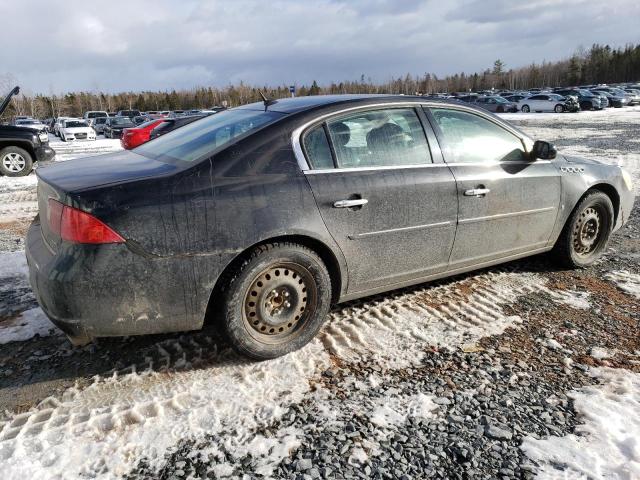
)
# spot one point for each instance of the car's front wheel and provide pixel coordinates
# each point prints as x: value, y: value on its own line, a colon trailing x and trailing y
x: 15, y: 162
x: 559, y: 108
x: 525, y: 109
x: 276, y: 300
x: 586, y: 234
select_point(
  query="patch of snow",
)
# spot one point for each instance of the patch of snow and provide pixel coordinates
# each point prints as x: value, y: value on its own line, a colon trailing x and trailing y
x: 577, y: 300
x: 358, y: 456
x: 29, y: 324
x: 600, y: 353
x: 626, y: 281
x: 394, y: 411
x: 606, y: 445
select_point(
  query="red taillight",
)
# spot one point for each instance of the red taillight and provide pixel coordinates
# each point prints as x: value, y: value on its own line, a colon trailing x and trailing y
x: 76, y: 226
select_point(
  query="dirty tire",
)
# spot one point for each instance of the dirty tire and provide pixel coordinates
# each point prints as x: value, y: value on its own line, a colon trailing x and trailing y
x: 15, y: 162
x: 585, y: 235
x: 276, y: 300
x: 558, y: 108
x: 525, y: 109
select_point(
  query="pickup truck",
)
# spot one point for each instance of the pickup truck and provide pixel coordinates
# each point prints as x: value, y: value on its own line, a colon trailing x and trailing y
x: 21, y: 147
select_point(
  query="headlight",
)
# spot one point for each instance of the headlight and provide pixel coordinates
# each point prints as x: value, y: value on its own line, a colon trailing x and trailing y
x: 626, y: 176
x: 43, y: 137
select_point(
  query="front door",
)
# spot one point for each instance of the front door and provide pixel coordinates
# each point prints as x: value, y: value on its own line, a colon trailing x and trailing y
x: 508, y: 204
x: 391, y: 209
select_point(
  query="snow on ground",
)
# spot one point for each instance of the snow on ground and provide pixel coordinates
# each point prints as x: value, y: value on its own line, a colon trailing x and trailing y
x: 77, y: 149
x: 110, y: 425
x: 607, y: 445
x: 29, y: 324
x: 626, y: 281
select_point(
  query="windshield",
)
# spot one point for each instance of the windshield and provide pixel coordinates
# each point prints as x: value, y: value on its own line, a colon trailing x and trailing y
x: 28, y: 122
x: 75, y: 124
x: 501, y: 100
x: 121, y: 121
x: 96, y: 114
x: 193, y: 141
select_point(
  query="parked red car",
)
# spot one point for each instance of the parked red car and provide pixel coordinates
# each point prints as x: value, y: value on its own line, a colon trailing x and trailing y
x: 133, y: 137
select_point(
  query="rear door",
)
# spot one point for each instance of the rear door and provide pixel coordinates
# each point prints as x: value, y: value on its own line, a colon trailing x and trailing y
x: 507, y: 203
x: 389, y: 206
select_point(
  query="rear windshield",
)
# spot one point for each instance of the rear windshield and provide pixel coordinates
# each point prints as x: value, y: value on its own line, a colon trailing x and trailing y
x: 202, y: 137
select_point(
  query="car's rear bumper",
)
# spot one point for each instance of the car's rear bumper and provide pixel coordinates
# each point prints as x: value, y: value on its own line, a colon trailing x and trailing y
x: 91, y: 291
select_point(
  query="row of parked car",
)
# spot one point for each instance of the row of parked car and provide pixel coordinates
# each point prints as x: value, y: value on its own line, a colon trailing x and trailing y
x: 132, y: 127
x: 560, y: 99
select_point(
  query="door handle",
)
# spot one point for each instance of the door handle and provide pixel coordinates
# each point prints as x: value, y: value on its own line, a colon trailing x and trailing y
x: 476, y: 192
x: 356, y: 202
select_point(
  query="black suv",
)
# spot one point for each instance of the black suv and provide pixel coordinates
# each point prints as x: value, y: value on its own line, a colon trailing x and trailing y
x: 21, y: 147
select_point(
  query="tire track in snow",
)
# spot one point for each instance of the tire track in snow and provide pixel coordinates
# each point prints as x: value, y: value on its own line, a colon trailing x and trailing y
x: 397, y: 327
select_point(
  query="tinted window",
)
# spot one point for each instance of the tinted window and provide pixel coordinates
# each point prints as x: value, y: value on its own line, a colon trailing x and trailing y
x: 379, y: 138
x: 538, y: 97
x: 317, y: 148
x: 470, y: 138
x: 201, y: 137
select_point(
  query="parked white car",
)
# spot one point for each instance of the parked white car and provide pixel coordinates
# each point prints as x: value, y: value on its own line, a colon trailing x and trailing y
x: 58, y: 125
x: 76, y: 129
x: 542, y: 102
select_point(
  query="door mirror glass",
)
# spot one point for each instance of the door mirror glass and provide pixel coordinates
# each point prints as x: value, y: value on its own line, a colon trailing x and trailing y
x: 544, y: 150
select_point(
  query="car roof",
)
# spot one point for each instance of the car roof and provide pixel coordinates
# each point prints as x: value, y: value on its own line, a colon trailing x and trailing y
x: 301, y: 104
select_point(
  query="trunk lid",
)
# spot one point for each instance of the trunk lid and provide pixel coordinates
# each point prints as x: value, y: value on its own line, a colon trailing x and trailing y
x: 85, y: 173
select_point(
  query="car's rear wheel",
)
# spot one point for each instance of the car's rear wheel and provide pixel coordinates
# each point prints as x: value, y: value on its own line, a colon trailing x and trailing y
x: 525, y: 109
x: 276, y: 300
x: 15, y: 162
x: 586, y: 234
x: 559, y: 108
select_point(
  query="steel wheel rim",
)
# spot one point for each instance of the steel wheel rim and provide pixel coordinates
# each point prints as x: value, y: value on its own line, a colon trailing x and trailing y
x: 14, y: 162
x: 279, y: 302
x: 588, y: 232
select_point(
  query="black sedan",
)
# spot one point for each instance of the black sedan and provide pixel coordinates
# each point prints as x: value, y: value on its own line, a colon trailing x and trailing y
x: 262, y: 216
x: 114, y: 126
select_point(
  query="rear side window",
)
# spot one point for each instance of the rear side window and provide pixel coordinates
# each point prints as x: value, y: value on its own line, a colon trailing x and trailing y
x: 317, y: 149
x: 379, y: 138
x: 469, y: 138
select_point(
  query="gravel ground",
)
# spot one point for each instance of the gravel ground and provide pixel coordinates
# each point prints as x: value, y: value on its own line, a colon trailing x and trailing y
x: 457, y: 411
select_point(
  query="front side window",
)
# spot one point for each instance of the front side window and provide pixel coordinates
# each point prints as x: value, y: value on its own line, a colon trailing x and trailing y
x: 379, y: 138
x: 201, y: 137
x: 469, y: 138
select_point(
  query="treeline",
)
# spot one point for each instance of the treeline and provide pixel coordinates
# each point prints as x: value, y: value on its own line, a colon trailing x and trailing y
x: 599, y: 64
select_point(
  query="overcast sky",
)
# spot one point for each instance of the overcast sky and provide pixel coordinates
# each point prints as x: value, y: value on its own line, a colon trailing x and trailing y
x: 113, y: 45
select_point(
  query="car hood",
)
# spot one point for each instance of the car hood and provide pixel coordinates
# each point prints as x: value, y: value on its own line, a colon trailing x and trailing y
x: 17, y: 129
x: 79, y: 130
x: 584, y: 161
x: 120, y: 167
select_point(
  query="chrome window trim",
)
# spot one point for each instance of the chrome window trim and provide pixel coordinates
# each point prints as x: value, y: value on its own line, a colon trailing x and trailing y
x: 296, y: 135
x: 430, y: 165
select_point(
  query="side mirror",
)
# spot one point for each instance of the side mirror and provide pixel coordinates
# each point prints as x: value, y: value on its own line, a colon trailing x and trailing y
x: 543, y: 150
